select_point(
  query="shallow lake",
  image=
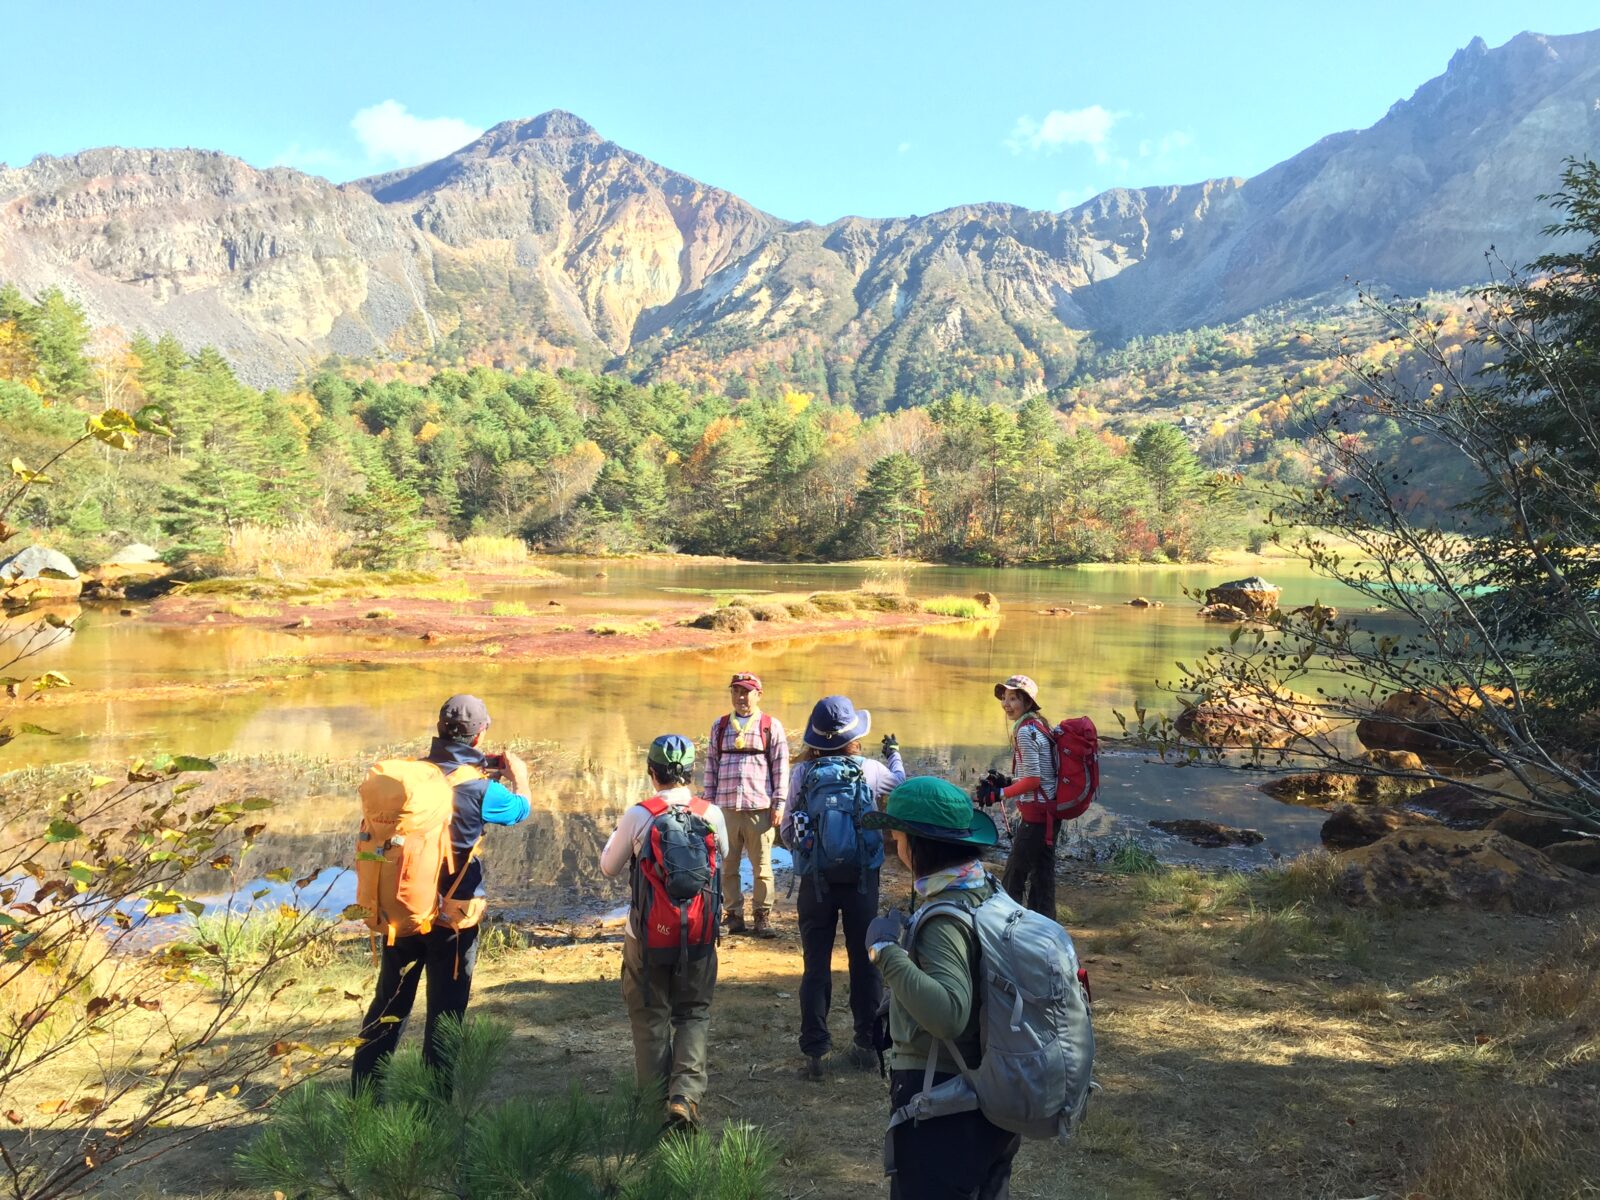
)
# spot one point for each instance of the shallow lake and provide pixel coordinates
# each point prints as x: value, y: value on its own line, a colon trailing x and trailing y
x: 933, y: 689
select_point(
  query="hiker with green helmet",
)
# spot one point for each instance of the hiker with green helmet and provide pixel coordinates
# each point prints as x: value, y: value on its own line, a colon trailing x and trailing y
x: 671, y: 843
x: 938, y: 834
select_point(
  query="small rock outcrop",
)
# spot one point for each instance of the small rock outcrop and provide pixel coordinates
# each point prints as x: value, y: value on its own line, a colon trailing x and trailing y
x: 1233, y: 720
x: 1209, y: 833
x: 1422, y: 724
x: 1538, y: 830
x: 1223, y: 612
x: 1254, y: 596
x: 1580, y: 854
x: 1352, y: 825
x: 1427, y: 867
x: 1138, y: 602
x: 1316, y: 788
x: 1455, y: 805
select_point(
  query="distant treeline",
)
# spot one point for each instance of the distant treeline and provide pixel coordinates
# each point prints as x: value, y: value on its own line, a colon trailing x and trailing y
x: 576, y: 461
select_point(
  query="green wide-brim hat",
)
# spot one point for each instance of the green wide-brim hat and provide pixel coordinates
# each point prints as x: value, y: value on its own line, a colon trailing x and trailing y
x: 934, y: 808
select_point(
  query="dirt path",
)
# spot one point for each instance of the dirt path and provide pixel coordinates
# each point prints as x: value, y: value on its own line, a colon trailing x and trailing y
x: 1255, y: 1040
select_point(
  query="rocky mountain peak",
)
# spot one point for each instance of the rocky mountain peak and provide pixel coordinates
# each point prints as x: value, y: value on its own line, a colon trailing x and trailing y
x: 1463, y: 58
x: 555, y: 125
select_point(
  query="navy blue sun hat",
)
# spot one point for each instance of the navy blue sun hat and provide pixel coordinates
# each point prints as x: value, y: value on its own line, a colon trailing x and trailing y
x: 835, y: 723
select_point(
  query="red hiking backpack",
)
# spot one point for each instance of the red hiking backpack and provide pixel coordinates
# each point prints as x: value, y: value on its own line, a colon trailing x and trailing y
x: 676, y: 897
x: 1077, y: 752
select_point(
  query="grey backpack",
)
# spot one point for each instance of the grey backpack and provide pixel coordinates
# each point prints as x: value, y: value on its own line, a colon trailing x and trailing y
x: 1033, y: 1006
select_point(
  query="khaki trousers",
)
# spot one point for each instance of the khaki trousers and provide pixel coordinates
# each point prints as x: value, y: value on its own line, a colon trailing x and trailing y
x: 750, y: 833
x: 670, y: 1012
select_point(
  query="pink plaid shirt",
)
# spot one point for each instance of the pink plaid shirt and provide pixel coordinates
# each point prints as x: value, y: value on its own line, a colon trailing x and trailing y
x: 755, y: 777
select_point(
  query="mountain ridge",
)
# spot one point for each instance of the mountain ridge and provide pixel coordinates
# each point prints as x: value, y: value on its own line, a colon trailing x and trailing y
x: 543, y: 242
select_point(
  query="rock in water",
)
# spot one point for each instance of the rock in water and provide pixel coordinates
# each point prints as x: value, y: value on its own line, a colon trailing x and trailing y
x: 1455, y: 805
x: 1427, y: 867
x: 1254, y: 597
x: 1250, y: 720
x: 1209, y: 833
x: 1223, y: 612
x: 1351, y: 825
x: 38, y: 573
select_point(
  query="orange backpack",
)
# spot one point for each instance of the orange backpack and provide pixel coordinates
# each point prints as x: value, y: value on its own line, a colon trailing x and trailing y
x: 404, y: 847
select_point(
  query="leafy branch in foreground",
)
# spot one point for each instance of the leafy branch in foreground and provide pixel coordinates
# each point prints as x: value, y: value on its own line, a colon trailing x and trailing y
x: 424, y: 1133
x: 1486, y: 644
x: 121, y: 1038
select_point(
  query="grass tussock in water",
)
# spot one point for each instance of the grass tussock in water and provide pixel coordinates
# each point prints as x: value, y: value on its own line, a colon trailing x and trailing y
x: 509, y: 608
x: 624, y: 629
x: 360, y: 585
x: 967, y: 607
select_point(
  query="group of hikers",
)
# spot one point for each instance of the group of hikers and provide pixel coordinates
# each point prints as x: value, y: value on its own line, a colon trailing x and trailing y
x: 984, y: 1032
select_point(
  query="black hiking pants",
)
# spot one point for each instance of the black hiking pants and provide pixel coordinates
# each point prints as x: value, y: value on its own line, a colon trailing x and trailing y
x: 959, y: 1157
x: 1030, y: 875
x: 446, y: 956
x: 819, y: 919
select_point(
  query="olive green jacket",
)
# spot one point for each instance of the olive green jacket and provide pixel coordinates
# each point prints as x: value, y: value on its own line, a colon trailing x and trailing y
x: 931, y: 995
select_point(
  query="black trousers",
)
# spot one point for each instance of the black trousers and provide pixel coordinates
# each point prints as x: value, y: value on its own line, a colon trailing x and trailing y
x: 1030, y: 875
x: 446, y: 956
x: 959, y: 1157
x: 819, y: 919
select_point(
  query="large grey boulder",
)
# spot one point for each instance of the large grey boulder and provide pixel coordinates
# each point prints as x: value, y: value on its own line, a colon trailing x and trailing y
x: 133, y: 555
x: 34, y: 562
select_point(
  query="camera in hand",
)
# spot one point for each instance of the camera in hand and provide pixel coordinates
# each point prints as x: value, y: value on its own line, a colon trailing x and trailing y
x: 495, y: 765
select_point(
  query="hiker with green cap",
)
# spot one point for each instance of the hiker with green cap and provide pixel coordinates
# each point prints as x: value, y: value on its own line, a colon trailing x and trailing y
x: 671, y: 843
x: 940, y: 837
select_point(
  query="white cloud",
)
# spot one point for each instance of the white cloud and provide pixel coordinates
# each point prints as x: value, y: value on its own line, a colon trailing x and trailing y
x: 1165, y: 144
x: 1079, y: 127
x: 389, y: 133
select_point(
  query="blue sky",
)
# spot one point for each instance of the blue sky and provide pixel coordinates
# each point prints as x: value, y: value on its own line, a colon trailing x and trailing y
x: 809, y: 111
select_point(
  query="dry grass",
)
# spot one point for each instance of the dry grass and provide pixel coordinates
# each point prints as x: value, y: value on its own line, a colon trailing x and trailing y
x: 303, y: 548
x: 771, y: 611
x: 804, y: 610
x: 1527, y: 1150
x: 482, y: 550
x: 733, y: 618
x: 621, y: 629
x: 509, y: 608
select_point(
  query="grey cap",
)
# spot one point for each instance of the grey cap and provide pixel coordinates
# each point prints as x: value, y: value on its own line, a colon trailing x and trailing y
x: 463, y: 716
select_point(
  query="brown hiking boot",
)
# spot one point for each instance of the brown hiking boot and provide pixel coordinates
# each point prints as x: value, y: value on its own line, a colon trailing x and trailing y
x: 763, y: 926
x: 811, y: 1070
x: 734, y: 922
x: 683, y: 1115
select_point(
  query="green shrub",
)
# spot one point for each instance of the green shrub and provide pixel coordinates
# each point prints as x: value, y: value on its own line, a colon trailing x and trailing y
x: 423, y: 1133
x: 966, y: 607
x: 1128, y: 857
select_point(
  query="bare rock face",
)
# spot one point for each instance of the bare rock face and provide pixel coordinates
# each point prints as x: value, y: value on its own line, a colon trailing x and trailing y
x: 1239, y: 720
x: 1428, y: 726
x: 575, y: 250
x: 1351, y: 825
x: 1428, y: 867
x: 1254, y: 598
x: 1209, y: 833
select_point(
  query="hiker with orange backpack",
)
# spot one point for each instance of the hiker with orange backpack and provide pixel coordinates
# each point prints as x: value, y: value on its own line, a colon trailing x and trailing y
x: 671, y: 843
x: 1055, y: 775
x: 419, y: 876
x: 747, y: 777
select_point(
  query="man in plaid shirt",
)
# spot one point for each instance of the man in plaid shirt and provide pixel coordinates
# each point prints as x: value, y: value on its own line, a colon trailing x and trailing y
x: 747, y: 777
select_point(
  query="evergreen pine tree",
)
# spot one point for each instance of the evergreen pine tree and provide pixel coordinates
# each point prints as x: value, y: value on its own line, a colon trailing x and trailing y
x: 390, y: 532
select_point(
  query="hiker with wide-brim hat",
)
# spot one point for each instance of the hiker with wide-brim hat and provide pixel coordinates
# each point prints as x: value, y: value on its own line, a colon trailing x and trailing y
x: 832, y: 788
x: 938, y: 834
x: 1030, y: 874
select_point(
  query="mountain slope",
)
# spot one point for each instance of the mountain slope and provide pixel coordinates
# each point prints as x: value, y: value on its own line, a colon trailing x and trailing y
x: 543, y: 242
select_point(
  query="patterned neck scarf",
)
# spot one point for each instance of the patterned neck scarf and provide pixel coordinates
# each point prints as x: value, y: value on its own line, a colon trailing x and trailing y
x: 963, y: 877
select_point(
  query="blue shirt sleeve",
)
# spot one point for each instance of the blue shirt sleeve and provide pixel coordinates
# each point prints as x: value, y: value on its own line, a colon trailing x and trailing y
x: 502, y: 806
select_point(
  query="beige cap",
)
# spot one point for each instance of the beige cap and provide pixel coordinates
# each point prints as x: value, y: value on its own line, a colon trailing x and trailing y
x: 1018, y: 683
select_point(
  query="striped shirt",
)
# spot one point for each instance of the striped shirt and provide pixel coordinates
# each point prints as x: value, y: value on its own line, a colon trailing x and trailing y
x: 1032, y: 754
x: 754, y: 776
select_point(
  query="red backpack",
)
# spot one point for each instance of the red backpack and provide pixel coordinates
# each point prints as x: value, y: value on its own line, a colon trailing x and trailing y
x: 1077, y: 751
x: 725, y: 722
x: 676, y: 896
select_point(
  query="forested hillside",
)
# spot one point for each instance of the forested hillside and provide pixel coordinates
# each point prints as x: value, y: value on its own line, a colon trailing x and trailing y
x: 365, y: 465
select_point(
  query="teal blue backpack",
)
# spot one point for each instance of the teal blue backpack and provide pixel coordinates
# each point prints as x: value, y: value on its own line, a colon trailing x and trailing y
x: 832, y: 847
